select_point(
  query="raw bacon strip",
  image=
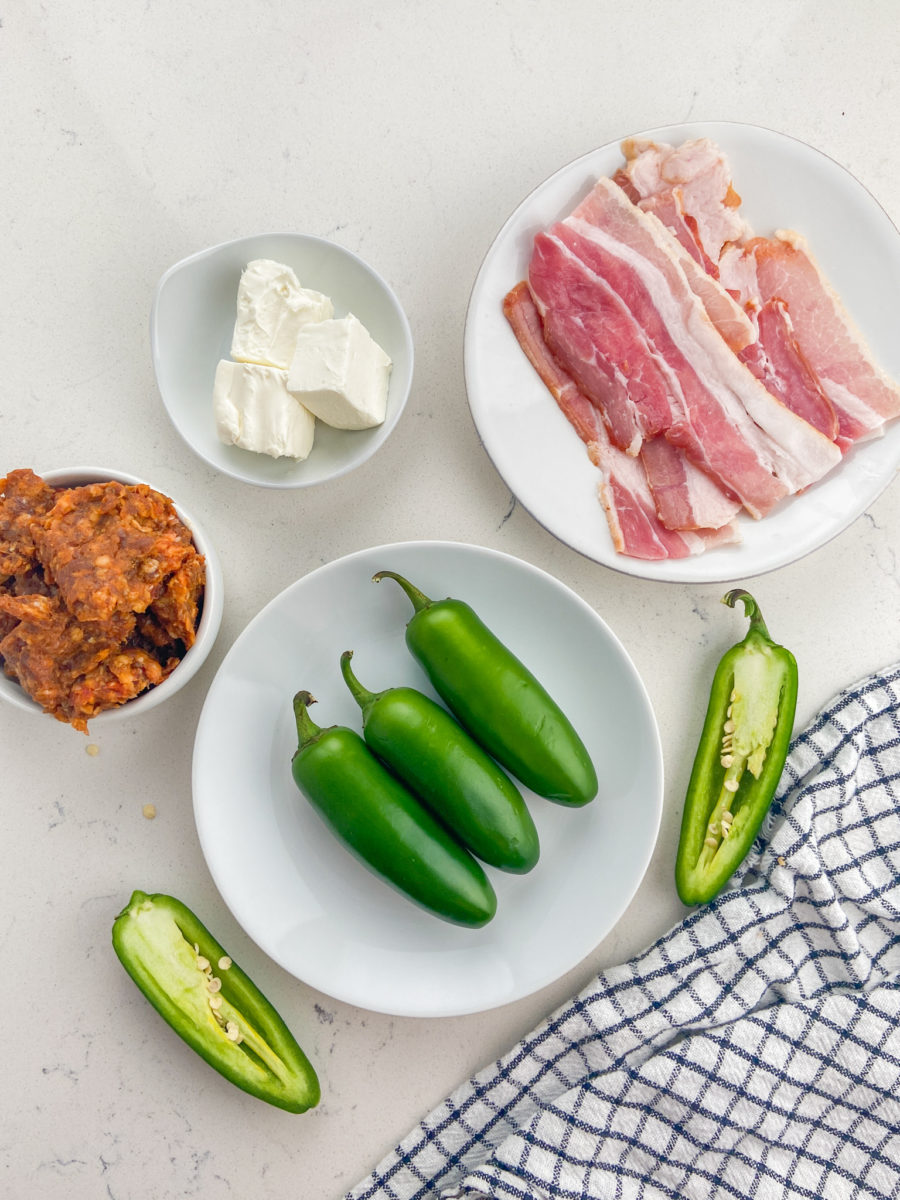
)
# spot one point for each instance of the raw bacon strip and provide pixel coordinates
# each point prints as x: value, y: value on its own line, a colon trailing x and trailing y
x: 634, y: 525
x: 780, y: 365
x: 649, y: 274
x: 561, y: 281
x: 686, y: 188
x: 596, y: 338
x: 668, y: 207
x: 864, y: 397
x: 723, y: 310
x: 765, y: 343
x: 622, y: 180
x: 702, y: 273
x: 729, y: 424
x: 523, y: 316
x: 627, y: 500
x: 771, y: 351
x: 684, y: 496
x: 697, y: 178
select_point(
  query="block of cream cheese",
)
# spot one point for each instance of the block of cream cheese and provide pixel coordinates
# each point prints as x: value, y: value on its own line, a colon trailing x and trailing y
x: 271, y: 309
x: 254, y: 410
x: 340, y: 373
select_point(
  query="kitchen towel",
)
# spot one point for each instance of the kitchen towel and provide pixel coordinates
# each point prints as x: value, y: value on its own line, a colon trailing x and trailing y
x: 752, y: 1052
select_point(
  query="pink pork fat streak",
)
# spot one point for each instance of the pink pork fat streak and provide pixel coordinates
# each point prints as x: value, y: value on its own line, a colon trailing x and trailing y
x: 708, y: 371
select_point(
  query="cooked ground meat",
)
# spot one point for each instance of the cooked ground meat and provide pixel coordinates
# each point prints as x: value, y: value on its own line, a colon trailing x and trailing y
x: 100, y: 592
x: 175, y: 611
x: 112, y: 682
x: 111, y: 548
x: 23, y: 497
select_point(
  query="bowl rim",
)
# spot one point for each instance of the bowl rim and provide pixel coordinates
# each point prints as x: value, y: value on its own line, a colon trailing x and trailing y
x: 207, y: 628
x: 172, y: 409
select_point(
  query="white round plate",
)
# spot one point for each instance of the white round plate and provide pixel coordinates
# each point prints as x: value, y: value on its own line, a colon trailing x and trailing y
x: 784, y: 184
x: 191, y: 325
x: 301, y: 896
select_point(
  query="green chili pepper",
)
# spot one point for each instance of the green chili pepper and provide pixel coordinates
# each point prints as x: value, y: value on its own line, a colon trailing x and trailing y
x: 384, y: 825
x: 497, y: 698
x: 740, y: 758
x: 444, y: 767
x: 210, y: 1002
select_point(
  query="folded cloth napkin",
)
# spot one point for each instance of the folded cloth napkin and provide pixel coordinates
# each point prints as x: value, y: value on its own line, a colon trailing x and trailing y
x: 754, y: 1051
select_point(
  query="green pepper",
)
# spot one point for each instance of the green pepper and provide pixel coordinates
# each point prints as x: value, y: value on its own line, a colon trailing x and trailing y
x: 444, y: 767
x: 497, y: 699
x: 209, y: 1001
x: 384, y: 825
x: 740, y: 758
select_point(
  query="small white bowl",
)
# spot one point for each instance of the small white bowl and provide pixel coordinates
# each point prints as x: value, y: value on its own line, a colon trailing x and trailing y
x: 191, y: 324
x: 207, y: 630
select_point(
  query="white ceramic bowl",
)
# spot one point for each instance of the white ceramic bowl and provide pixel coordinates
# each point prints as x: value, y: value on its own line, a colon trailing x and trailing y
x: 207, y: 630
x: 191, y: 325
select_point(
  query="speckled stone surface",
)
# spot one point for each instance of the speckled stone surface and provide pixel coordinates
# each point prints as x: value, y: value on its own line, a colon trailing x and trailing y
x: 135, y: 135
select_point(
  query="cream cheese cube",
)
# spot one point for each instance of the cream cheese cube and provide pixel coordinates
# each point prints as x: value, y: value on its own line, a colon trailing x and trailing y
x: 254, y: 410
x: 340, y: 373
x: 272, y: 307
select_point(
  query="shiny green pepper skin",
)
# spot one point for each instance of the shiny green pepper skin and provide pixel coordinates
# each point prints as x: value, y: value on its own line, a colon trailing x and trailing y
x: 445, y: 768
x: 209, y: 1001
x: 497, y: 699
x: 384, y: 825
x: 740, y: 759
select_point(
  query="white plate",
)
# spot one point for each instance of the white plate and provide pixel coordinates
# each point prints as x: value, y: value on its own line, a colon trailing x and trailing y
x: 784, y: 184
x: 302, y: 897
x: 191, y: 324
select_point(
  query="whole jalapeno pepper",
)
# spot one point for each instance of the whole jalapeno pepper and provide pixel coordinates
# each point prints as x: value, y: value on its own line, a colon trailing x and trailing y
x: 498, y: 700
x: 740, y: 758
x: 209, y: 1001
x: 384, y: 825
x: 444, y: 767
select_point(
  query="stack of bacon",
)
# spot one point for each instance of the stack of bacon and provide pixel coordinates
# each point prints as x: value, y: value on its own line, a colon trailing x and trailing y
x: 708, y: 371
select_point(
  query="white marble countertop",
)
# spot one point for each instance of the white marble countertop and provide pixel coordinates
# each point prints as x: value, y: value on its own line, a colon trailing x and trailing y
x: 137, y: 134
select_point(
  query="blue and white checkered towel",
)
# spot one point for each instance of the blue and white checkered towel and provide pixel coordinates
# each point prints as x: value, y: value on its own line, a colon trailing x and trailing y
x: 754, y: 1051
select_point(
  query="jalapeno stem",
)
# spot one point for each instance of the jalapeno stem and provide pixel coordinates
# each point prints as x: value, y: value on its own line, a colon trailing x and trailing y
x: 360, y: 694
x: 751, y: 609
x: 419, y: 600
x: 307, y: 729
